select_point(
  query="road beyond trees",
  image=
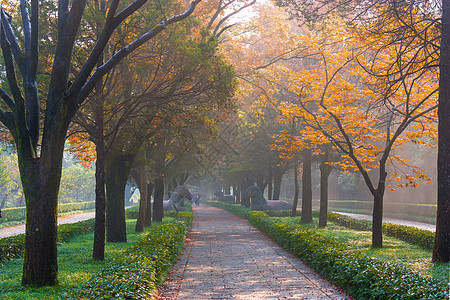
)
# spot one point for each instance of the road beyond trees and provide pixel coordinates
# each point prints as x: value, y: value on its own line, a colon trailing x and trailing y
x: 226, y: 258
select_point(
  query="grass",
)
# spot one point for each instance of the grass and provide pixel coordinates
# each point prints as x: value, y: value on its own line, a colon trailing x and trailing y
x: 393, y: 250
x: 75, y: 264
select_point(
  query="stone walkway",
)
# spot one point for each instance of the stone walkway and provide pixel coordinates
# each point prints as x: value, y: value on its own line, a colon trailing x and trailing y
x: 227, y: 258
x: 19, y: 229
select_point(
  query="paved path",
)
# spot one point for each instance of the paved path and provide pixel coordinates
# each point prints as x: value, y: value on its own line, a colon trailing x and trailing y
x: 227, y: 258
x: 420, y: 225
x: 19, y: 229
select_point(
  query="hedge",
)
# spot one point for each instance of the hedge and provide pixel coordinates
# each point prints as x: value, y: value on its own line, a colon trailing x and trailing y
x: 137, y: 272
x: 412, y: 235
x: 13, y: 247
x: 410, y: 211
x: 237, y: 209
x: 359, y: 275
x: 18, y: 213
x: 133, y: 212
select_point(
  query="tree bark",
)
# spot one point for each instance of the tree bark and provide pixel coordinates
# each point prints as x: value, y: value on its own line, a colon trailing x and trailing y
x: 100, y: 198
x: 148, y: 211
x: 377, y: 222
x: 296, y: 189
x: 117, y: 170
x: 306, y: 187
x: 270, y: 187
x: 227, y: 190
x: 158, y: 205
x: 325, y: 171
x: 441, y: 250
x: 377, y: 215
x: 143, y: 199
x: 236, y: 193
x: 244, y: 186
x: 277, y: 178
x: 41, y: 181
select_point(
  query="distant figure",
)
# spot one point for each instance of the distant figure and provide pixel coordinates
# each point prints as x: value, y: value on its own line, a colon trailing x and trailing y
x: 0, y: 213
x: 197, y: 200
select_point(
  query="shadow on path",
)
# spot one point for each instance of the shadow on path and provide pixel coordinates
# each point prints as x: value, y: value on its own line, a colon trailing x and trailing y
x: 227, y: 258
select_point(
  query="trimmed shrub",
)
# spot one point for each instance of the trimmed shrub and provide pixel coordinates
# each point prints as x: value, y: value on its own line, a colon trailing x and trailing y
x: 350, y: 222
x: 12, y: 214
x: 68, y: 207
x: 13, y: 247
x: 412, y: 235
x: 283, y: 213
x: 137, y: 272
x: 408, y: 211
x: 133, y: 212
x: 66, y: 231
x: 237, y: 209
x: 361, y: 276
x: 18, y: 213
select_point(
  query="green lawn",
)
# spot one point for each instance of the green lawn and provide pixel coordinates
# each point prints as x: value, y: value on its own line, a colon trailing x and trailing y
x: 75, y: 267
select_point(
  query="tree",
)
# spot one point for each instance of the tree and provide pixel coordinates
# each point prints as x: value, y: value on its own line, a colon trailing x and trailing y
x: 408, y: 26
x: 351, y: 116
x: 441, y: 251
x: 40, y: 167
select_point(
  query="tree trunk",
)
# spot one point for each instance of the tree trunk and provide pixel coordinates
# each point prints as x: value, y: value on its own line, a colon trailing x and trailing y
x: 143, y: 199
x: 227, y: 190
x: 98, y: 251
x: 158, y: 205
x: 41, y: 180
x: 244, y: 201
x: 377, y: 222
x: 296, y: 189
x: 117, y: 170
x: 270, y: 188
x: 5, y: 197
x: 306, y: 187
x: 441, y: 251
x: 325, y: 171
x: 166, y: 189
x: 277, y: 178
x: 377, y: 215
x: 148, y: 211
x: 100, y: 202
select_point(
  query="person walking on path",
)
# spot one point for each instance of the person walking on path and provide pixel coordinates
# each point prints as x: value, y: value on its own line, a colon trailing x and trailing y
x: 227, y: 258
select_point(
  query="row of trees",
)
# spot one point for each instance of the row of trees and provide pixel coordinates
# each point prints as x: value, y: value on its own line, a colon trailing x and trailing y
x: 115, y: 77
x: 348, y: 91
x: 130, y: 83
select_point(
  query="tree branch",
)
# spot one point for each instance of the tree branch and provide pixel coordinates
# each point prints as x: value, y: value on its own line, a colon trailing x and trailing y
x: 10, y: 36
x: 229, y: 16
x: 7, y: 99
x: 122, y: 53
